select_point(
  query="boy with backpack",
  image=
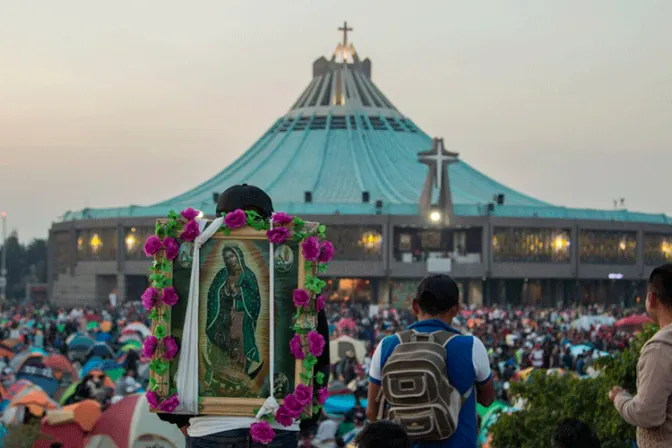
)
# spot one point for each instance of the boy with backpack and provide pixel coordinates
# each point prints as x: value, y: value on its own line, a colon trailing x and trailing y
x: 429, y: 377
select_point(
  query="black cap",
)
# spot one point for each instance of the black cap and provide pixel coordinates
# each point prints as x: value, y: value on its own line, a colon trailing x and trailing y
x: 437, y: 293
x: 245, y: 197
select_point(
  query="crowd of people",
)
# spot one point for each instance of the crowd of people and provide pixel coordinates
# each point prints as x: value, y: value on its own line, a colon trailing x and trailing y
x: 517, y: 340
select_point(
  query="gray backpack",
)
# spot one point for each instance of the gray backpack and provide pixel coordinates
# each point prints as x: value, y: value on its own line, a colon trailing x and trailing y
x: 415, y: 391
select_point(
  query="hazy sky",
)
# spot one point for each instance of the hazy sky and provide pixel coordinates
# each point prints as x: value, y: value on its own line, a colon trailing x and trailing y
x: 569, y: 101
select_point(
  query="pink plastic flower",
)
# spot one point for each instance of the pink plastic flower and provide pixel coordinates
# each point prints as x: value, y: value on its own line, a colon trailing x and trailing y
x: 293, y: 406
x: 235, y: 219
x: 304, y: 394
x: 149, y: 298
x: 320, y: 302
x: 191, y: 231
x: 152, y: 399
x: 296, y: 348
x: 322, y: 395
x: 170, y: 404
x: 326, y: 252
x: 283, y: 417
x: 189, y: 214
x: 278, y: 235
x: 262, y: 432
x: 170, y: 297
x: 152, y: 245
x: 149, y: 346
x: 171, y: 247
x: 281, y: 218
x: 171, y: 348
x: 315, y: 343
x: 301, y: 298
x: 311, y: 248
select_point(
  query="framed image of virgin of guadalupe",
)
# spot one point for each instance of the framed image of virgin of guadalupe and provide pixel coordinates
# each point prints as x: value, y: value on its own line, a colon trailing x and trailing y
x: 226, y: 304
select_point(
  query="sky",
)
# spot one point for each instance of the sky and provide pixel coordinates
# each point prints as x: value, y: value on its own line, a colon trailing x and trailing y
x: 101, y: 102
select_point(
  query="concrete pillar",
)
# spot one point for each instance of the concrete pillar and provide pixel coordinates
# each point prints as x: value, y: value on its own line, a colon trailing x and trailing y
x: 475, y: 293
x: 383, y: 292
x: 640, y: 253
x: 121, y: 288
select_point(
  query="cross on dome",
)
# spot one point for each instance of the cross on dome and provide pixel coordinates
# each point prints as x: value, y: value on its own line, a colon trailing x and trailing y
x: 438, y: 158
x: 345, y: 30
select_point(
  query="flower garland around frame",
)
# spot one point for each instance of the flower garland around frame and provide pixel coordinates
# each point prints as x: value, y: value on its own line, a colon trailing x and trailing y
x: 306, y: 345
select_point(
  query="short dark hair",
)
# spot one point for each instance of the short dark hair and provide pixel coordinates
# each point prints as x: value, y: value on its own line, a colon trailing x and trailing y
x: 660, y: 284
x: 245, y: 197
x: 383, y: 434
x: 573, y: 433
x: 437, y: 294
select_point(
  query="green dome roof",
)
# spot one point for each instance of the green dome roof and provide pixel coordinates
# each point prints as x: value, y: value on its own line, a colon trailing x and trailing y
x: 341, y: 138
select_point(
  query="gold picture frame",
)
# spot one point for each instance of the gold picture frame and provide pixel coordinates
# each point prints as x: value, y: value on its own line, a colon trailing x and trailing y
x: 285, y: 260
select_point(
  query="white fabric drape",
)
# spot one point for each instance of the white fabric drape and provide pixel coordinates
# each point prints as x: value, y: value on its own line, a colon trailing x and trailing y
x: 270, y: 406
x: 187, y: 369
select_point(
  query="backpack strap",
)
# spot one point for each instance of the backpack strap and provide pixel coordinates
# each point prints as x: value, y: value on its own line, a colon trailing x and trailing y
x: 443, y: 337
x: 406, y: 337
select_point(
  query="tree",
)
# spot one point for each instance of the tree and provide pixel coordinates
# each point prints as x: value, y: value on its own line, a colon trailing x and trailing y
x: 25, y: 264
x: 550, y: 399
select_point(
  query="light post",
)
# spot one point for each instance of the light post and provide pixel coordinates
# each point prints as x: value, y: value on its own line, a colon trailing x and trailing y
x: 3, y: 265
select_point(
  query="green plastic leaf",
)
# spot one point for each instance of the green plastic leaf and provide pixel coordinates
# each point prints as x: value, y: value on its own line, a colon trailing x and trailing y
x: 152, y: 384
x: 166, y: 315
x: 226, y: 231
x: 160, y: 331
x: 153, y: 315
x: 323, y: 268
x: 298, y: 223
x: 314, y: 284
x: 158, y: 366
x: 321, y: 228
x: 317, y: 409
x: 319, y: 378
x: 200, y: 400
x: 173, y: 215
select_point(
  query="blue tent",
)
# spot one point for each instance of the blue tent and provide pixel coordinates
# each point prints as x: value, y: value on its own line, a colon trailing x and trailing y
x: 48, y: 384
x: 100, y: 350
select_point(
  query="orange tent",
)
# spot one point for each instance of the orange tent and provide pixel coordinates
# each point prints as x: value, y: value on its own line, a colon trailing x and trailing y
x: 36, y: 401
x: 60, y: 364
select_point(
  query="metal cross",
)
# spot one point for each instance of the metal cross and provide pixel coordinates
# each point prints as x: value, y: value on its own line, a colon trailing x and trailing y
x: 440, y: 158
x: 345, y: 30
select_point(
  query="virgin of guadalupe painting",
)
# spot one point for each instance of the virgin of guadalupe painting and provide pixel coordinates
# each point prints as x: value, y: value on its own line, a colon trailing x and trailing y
x: 235, y: 348
x: 233, y: 317
x: 234, y: 304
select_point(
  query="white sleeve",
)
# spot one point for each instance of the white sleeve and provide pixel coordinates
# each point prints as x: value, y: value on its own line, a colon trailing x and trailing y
x: 479, y: 356
x: 375, y: 371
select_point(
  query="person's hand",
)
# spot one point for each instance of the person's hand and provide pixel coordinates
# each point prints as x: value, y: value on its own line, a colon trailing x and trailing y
x: 614, y: 392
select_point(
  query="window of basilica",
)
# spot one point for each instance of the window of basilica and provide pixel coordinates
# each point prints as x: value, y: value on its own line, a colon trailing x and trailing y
x: 62, y: 251
x: 97, y: 244
x: 607, y: 247
x: 657, y: 248
x: 134, y: 241
x: 356, y: 242
x: 528, y: 244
